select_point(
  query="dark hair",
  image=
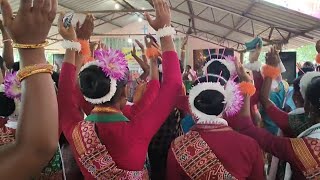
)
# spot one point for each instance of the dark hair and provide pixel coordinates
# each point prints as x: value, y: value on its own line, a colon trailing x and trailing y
x: 188, y: 66
x: 305, y: 70
x: 16, y: 66
x: 308, y: 64
x: 181, y: 66
x: 55, y: 78
x: 210, y: 102
x: 1, y: 62
x: 318, y: 68
x: 94, y: 84
x: 217, y: 67
x: 7, y: 105
x: 296, y: 84
x: 312, y: 93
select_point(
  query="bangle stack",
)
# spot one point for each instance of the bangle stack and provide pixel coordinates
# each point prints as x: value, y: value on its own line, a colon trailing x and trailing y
x: 30, y: 46
x: 34, y: 69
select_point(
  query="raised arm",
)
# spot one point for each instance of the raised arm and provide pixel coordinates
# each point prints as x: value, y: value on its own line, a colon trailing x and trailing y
x: 7, y: 53
x: 37, y: 133
x: 69, y: 111
x: 151, y: 92
x: 152, y: 117
x: 183, y: 50
x: 145, y: 67
x: 84, y: 33
x: 279, y: 117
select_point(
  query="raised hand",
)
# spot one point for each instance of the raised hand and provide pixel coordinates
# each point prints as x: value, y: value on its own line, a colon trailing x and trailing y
x: 185, y: 41
x: 31, y: 25
x: 66, y: 33
x: 134, y: 51
x: 141, y: 46
x: 254, y: 56
x: 272, y: 57
x: 243, y: 75
x: 148, y: 40
x: 85, y: 31
x: 163, y: 15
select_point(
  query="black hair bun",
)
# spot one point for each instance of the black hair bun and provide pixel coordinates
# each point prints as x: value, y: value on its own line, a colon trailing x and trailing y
x: 7, y: 105
x: 16, y: 66
x: 93, y: 82
x: 216, y: 67
x: 312, y: 93
x: 210, y: 102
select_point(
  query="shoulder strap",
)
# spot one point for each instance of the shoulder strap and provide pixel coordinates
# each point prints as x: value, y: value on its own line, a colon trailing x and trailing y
x: 307, y: 151
x: 197, y: 159
x: 94, y: 156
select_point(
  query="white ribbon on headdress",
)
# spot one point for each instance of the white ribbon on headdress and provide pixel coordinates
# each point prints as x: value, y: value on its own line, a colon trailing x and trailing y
x: 306, y: 80
x: 107, y: 97
x: 203, y: 118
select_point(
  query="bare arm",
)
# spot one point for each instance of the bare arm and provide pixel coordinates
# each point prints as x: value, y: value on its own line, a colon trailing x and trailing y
x: 7, y: 53
x: 245, y: 110
x: 37, y: 133
x: 154, y: 69
x: 142, y: 62
x: 145, y: 67
x: 183, y: 50
x: 265, y: 93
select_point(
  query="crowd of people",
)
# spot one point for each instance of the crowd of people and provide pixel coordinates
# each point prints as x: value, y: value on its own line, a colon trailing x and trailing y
x: 79, y: 122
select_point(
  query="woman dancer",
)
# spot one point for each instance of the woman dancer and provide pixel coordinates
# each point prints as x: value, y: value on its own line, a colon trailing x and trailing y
x: 126, y: 141
x: 212, y: 150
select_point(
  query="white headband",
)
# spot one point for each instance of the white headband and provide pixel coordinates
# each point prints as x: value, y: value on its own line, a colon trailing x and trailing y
x: 230, y: 66
x: 107, y: 97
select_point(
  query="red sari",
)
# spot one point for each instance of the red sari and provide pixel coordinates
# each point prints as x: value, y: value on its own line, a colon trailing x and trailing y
x: 235, y: 155
x: 127, y: 142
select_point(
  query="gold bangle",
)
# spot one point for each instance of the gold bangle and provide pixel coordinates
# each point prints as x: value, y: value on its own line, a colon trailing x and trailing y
x: 30, y: 46
x: 35, y: 69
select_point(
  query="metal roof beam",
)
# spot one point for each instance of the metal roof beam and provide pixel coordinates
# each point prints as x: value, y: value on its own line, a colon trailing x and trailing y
x: 205, y: 39
x: 192, y: 18
x: 105, y: 22
x: 260, y: 19
x: 205, y: 32
x: 212, y: 22
x: 241, y: 19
